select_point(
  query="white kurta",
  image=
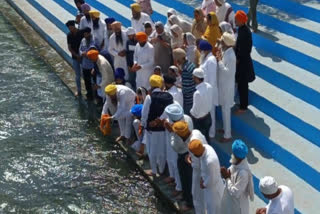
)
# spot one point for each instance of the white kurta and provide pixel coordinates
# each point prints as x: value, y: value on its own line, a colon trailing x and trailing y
x: 144, y: 56
x: 226, y: 84
x: 84, y: 23
x: 100, y: 35
x: 156, y: 141
x: 125, y: 101
x: 106, y: 73
x: 138, y: 25
x: 283, y: 204
x: 210, y: 174
x: 114, y: 49
x: 202, y: 100
x: 197, y: 192
x: 238, y: 190
x: 136, y: 145
x: 176, y: 94
x: 209, y: 66
x: 221, y: 13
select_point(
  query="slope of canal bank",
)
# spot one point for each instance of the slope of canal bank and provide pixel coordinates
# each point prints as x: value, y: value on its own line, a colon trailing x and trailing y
x: 61, y: 66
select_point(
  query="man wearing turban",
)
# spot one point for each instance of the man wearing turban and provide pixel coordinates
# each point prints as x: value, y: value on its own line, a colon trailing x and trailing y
x: 244, y: 71
x: 99, y: 30
x: 105, y: 76
x: 85, y: 21
x: 119, y: 101
x: 238, y: 180
x: 139, y: 18
x: 186, y: 134
x: 208, y: 64
x: 280, y: 196
x: 117, y: 47
x: 210, y: 181
x: 130, y: 47
x: 226, y: 81
x: 80, y: 14
x: 143, y: 60
x: 155, y: 136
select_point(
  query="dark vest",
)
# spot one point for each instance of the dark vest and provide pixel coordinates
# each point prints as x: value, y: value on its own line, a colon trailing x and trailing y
x: 159, y: 101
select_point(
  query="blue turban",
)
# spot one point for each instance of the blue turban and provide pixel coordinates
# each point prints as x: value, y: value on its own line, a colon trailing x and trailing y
x: 174, y: 112
x: 119, y: 73
x: 136, y: 110
x: 109, y: 20
x: 239, y: 149
x: 204, y: 45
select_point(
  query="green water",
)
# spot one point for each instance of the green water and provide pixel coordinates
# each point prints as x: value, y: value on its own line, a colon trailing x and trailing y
x: 52, y: 159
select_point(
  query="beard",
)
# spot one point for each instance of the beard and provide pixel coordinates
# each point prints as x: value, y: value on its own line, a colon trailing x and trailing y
x: 233, y: 160
x: 88, y: 17
x: 119, y: 39
x: 95, y: 24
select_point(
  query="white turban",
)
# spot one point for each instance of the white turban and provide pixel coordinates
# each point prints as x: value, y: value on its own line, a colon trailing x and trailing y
x: 130, y: 31
x: 268, y: 185
x: 228, y: 39
x: 198, y: 72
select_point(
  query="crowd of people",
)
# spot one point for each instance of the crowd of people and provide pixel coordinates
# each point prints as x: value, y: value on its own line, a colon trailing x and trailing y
x: 162, y: 83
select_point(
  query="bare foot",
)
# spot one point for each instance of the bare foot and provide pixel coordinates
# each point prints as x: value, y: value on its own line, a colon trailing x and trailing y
x: 149, y: 172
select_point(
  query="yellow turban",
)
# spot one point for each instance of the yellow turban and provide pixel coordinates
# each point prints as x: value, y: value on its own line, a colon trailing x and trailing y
x: 181, y: 128
x: 111, y: 89
x: 136, y: 7
x: 196, y: 147
x: 94, y: 13
x: 93, y: 55
x: 155, y: 81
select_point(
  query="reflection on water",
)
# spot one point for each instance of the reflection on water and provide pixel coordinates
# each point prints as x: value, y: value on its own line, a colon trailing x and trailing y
x: 52, y: 159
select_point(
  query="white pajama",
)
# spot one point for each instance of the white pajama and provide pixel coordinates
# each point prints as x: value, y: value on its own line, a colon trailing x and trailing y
x: 157, y: 150
x: 226, y: 118
x: 172, y: 158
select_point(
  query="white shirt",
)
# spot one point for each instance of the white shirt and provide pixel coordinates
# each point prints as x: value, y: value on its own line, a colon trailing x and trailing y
x: 106, y: 73
x: 125, y: 100
x: 202, y: 100
x: 84, y: 23
x: 138, y: 24
x: 283, y: 203
x: 226, y: 78
x: 221, y: 13
x: 209, y: 67
x: 146, y: 108
x: 144, y: 56
x: 100, y: 34
x: 176, y: 94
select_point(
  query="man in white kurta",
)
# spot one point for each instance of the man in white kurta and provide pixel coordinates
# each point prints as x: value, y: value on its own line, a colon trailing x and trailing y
x: 238, y: 181
x: 202, y: 103
x: 155, y: 135
x: 226, y: 81
x: 280, y: 196
x: 99, y: 30
x: 225, y: 12
x: 119, y: 101
x: 139, y: 18
x: 105, y: 70
x: 85, y: 20
x: 143, y: 60
x: 117, y: 48
x: 211, y: 181
x: 208, y: 64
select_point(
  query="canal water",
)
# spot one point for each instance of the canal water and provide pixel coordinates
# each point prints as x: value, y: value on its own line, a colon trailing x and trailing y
x: 52, y: 159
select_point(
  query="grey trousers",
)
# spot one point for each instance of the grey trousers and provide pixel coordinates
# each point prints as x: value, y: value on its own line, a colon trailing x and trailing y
x: 252, y: 15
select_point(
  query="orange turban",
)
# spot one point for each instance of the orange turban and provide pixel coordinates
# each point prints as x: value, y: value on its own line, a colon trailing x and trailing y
x: 181, y: 128
x: 93, y: 55
x: 241, y: 16
x: 141, y: 37
x: 196, y: 147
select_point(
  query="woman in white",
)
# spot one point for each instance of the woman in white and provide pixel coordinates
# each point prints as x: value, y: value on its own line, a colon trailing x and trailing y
x: 192, y: 52
x: 185, y: 26
x: 177, y: 37
x: 208, y: 6
x: 167, y: 26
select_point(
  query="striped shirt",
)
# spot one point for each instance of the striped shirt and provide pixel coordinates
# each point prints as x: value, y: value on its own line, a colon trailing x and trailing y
x: 188, y: 85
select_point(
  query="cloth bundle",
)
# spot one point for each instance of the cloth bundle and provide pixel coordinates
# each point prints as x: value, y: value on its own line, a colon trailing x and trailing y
x: 105, y: 124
